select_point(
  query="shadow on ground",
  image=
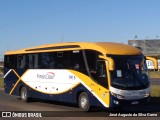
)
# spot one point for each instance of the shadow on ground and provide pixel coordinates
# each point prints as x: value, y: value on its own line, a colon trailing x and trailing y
x: 152, y: 107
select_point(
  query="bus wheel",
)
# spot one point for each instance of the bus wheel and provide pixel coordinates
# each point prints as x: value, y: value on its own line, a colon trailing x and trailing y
x: 83, y: 102
x: 24, y: 95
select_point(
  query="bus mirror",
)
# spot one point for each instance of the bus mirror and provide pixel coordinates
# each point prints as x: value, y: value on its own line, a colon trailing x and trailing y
x: 155, y: 61
x: 110, y: 60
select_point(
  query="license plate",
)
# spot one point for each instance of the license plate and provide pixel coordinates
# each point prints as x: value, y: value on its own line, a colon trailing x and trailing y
x: 134, y: 103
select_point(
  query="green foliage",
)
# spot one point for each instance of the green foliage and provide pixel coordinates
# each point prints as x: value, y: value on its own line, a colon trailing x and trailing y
x: 154, y: 74
x: 1, y: 70
x: 1, y: 82
x: 155, y: 91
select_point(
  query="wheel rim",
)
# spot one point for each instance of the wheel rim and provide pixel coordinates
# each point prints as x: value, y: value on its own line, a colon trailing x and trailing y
x: 23, y: 95
x: 84, y: 102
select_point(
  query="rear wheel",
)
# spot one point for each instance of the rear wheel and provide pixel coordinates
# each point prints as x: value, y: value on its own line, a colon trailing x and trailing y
x: 24, y: 95
x: 83, y: 102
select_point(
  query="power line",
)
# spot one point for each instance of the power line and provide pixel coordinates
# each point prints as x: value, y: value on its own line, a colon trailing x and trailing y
x: 51, y: 14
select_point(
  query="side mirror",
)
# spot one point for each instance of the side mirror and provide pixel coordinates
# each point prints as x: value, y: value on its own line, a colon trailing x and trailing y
x: 111, y: 62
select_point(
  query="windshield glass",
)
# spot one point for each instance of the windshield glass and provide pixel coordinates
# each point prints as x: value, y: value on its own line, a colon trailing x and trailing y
x: 130, y: 72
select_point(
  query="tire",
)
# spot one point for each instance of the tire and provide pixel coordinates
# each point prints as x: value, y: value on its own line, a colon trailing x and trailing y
x: 24, y: 95
x: 83, y: 102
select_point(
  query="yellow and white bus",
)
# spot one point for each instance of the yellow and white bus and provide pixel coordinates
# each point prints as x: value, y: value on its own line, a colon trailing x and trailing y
x: 152, y: 63
x: 101, y: 74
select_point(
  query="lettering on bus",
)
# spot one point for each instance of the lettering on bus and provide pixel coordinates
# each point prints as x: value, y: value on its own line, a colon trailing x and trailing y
x: 71, y: 77
x: 48, y: 75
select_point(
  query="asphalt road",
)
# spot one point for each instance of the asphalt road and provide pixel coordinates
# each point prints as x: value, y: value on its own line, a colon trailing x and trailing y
x: 65, y: 111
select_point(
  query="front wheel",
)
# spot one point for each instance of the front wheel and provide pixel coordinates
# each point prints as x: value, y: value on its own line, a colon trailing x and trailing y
x: 24, y: 95
x: 83, y: 102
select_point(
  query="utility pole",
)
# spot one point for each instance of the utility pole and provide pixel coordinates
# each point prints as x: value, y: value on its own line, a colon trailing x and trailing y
x: 62, y: 38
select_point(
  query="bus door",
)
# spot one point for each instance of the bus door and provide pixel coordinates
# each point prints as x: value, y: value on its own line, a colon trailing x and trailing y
x: 102, y: 80
x: 101, y: 73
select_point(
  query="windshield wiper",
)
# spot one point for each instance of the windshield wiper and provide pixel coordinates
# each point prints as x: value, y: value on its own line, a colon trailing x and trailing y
x: 132, y: 75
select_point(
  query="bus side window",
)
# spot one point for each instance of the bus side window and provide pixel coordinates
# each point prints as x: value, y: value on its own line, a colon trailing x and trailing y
x: 61, y: 60
x: 30, y: 61
x: 76, y: 61
x: 97, y: 67
x: 102, y: 76
x: 33, y: 61
x: 21, y: 61
x: 7, y: 63
x: 10, y: 61
x: 101, y: 68
x: 44, y: 60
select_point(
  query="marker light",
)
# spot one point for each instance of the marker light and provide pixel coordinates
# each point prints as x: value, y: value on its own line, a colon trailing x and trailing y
x: 146, y: 95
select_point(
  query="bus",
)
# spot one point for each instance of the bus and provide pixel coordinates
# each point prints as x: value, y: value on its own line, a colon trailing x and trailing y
x: 89, y: 74
x: 152, y: 63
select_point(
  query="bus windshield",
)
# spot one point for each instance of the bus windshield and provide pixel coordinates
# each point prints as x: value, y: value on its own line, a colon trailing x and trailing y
x: 130, y: 72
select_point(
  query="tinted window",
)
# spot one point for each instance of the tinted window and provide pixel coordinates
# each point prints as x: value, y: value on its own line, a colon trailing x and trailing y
x: 130, y: 72
x: 62, y: 60
x: 46, y: 60
x: 97, y: 67
x: 10, y: 61
x: 21, y: 61
x: 33, y: 61
x: 76, y: 61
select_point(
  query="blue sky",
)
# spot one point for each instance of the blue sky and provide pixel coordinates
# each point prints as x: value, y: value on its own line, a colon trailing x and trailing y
x: 28, y: 23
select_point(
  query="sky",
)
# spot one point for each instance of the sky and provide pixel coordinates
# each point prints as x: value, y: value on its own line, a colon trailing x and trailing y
x: 28, y: 23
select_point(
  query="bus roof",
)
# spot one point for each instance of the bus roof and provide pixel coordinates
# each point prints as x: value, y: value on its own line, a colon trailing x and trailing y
x: 103, y: 47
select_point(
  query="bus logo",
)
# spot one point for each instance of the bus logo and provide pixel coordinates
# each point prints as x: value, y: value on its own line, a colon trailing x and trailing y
x: 48, y: 75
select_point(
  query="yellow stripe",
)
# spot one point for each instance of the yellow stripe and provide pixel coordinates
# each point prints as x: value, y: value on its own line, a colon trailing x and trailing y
x: 17, y: 80
x: 16, y: 73
x: 94, y: 88
x: 14, y: 86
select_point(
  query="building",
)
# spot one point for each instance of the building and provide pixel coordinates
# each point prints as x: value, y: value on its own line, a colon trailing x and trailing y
x: 149, y: 47
x: 1, y: 64
x: 1, y: 61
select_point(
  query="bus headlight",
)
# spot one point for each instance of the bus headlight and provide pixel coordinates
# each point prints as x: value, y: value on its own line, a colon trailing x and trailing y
x: 117, y: 96
x: 146, y: 95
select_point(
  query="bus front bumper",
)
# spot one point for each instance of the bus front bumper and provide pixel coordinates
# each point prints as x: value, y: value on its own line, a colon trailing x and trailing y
x: 115, y: 102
